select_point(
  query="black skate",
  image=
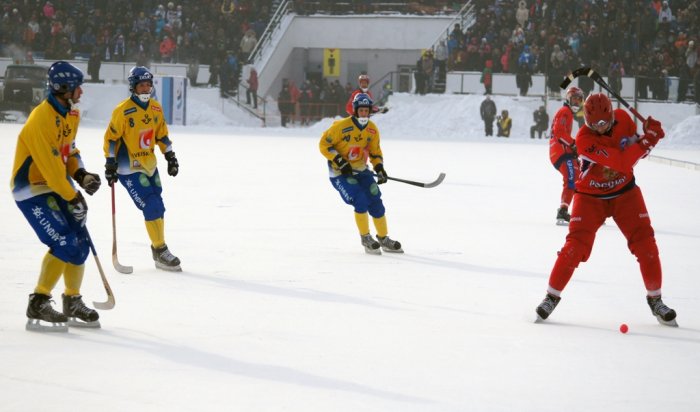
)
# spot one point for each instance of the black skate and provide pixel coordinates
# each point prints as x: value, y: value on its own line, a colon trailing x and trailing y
x: 389, y: 245
x: 371, y: 245
x: 165, y: 260
x: 547, y: 306
x: 664, y: 314
x: 40, y: 310
x: 563, y: 217
x: 78, y: 314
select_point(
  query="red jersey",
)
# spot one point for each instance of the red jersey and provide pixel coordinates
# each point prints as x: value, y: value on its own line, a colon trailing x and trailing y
x: 607, y: 160
x: 561, y: 140
x: 348, y: 105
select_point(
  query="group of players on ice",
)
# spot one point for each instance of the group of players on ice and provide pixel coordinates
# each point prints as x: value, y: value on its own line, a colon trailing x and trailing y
x: 597, y: 168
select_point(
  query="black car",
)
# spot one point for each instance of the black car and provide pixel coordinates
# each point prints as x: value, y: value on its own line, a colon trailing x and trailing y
x: 25, y: 86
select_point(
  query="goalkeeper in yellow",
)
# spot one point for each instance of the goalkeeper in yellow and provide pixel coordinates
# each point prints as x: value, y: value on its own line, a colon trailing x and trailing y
x: 348, y: 144
x: 46, y: 164
x: 136, y: 129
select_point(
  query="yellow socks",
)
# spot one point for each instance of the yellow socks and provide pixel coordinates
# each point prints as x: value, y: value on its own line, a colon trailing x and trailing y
x: 73, y: 278
x: 362, y: 221
x: 156, y: 231
x: 51, y: 269
x: 380, y: 225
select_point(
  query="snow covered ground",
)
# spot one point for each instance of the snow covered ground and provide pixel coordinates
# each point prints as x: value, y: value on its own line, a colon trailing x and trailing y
x: 279, y: 308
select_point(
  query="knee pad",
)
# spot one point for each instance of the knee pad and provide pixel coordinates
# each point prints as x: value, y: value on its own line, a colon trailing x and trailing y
x: 574, y: 252
x: 74, y: 249
x: 153, y: 208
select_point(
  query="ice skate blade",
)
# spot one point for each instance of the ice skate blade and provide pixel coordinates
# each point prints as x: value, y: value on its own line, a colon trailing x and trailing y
x: 376, y: 251
x: 36, y: 325
x: 540, y: 319
x: 77, y: 323
x: 671, y: 323
x: 562, y: 222
x: 168, y: 268
x: 392, y: 250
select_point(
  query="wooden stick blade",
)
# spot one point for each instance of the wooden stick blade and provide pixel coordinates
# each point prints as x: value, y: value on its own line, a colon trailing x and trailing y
x: 121, y: 268
x: 108, y: 305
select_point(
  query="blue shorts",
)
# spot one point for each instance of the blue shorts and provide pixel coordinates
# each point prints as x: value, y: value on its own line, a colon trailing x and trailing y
x: 145, y: 192
x: 360, y: 191
x: 56, y: 228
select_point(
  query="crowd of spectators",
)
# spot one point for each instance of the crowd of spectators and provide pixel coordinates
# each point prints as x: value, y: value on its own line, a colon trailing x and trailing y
x: 647, y: 39
x: 219, y: 33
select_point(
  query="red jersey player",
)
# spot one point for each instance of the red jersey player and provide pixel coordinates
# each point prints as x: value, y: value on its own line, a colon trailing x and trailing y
x: 363, y: 82
x: 609, y: 148
x: 562, y: 150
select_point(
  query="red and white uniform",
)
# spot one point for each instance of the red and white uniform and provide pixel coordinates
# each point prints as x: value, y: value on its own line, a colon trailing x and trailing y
x: 348, y: 105
x: 561, y: 152
x: 606, y: 188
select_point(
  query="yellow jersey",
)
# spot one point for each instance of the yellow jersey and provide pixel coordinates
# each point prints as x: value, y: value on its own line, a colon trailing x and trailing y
x: 133, y: 133
x: 46, y: 156
x: 355, y: 145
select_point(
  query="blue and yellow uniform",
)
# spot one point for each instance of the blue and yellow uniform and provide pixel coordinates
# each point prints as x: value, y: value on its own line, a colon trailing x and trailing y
x: 357, y: 144
x: 353, y: 142
x: 135, y: 130
x: 46, y: 154
x: 46, y: 158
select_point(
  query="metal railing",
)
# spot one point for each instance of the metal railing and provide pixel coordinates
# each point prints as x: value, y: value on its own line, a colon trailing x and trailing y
x: 284, y: 8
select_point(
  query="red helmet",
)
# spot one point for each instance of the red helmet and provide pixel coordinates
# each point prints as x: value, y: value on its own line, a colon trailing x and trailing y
x: 572, y: 93
x: 363, y: 78
x: 598, y: 112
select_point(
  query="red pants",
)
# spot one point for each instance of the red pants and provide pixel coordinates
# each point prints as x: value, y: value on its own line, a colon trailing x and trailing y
x: 631, y: 216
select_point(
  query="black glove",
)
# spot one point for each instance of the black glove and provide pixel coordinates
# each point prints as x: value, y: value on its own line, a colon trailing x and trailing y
x: 88, y: 181
x: 383, y: 109
x: 78, y: 208
x: 381, y: 174
x: 343, y: 165
x: 173, y: 165
x: 111, y: 171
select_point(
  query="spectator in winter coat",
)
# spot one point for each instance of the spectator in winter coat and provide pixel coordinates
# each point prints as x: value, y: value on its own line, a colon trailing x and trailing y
x: 541, y: 125
x: 522, y: 13
x: 248, y: 43
x: 487, y: 76
x: 284, y: 104
x: 488, y: 113
x: 167, y: 48
x: 252, y: 89
x: 441, y: 59
x: 504, y: 124
x: 523, y: 79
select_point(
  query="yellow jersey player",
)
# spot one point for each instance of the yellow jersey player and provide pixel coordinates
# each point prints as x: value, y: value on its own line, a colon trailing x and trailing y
x: 136, y: 128
x: 347, y: 145
x: 46, y: 158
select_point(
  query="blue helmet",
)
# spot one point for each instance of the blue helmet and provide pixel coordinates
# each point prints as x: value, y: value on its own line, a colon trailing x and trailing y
x: 137, y: 75
x: 64, y: 77
x: 361, y: 100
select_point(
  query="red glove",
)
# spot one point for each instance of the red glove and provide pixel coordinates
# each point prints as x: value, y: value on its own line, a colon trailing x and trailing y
x: 652, y: 133
x: 653, y: 127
